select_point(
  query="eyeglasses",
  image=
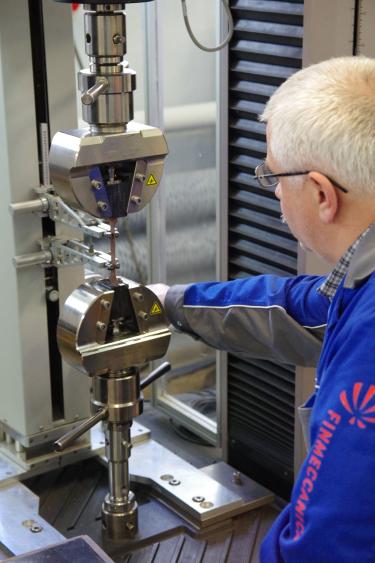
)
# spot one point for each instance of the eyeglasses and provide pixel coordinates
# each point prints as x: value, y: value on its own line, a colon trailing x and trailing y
x: 268, y: 179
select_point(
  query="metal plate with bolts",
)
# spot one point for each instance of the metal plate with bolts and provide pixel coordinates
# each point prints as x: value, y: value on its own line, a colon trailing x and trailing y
x: 21, y: 527
x: 13, y: 464
x: 193, y: 492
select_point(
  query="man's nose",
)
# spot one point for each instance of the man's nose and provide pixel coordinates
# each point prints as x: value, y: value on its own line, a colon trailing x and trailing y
x: 278, y: 191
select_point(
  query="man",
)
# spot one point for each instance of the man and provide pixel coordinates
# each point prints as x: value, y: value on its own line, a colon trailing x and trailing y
x: 321, y: 162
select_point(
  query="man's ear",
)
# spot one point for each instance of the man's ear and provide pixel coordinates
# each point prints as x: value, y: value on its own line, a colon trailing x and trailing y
x: 325, y: 196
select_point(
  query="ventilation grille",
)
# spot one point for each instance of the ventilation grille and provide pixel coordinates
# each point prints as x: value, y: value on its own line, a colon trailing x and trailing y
x: 265, y: 50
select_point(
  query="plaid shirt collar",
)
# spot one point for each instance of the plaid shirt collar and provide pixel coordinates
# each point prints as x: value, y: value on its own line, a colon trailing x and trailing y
x: 333, y: 280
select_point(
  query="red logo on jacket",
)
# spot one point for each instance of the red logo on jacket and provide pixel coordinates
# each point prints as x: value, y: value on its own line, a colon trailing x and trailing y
x: 359, y: 409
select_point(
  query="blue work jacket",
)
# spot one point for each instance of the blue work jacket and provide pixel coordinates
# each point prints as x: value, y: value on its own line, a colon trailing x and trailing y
x: 331, y: 516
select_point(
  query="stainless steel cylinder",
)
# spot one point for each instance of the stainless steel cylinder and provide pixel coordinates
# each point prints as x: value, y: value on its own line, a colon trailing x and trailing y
x: 119, y: 509
x: 122, y: 522
x: 105, y: 34
x: 120, y: 394
x: 107, y: 86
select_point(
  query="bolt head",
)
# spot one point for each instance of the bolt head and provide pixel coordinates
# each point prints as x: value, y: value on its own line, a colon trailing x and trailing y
x: 174, y: 482
x: 206, y: 504
x: 96, y: 184
x: 105, y: 304
x: 136, y: 199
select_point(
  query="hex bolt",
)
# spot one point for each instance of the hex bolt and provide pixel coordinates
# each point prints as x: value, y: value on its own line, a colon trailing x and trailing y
x: 138, y: 296
x: 136, y: 199
x: 140, y: 177
x: 143, y: 315
x: 96, y: 184
x: 105, y: 304
x: 198, y: 499
x: 35, y: 528
x: 101, y: 326
x: 103, y: 206
x: 174, y: 482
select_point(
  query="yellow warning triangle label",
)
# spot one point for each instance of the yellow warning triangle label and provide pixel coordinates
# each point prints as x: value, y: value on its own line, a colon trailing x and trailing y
x: 155, y: 309
x: 151, y: 181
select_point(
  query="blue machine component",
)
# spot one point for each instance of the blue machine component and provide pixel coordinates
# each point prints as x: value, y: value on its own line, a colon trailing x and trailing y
x: 99, y: 189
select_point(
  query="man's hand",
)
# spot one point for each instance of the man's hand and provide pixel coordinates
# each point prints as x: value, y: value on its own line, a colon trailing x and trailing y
x: 160, y: 290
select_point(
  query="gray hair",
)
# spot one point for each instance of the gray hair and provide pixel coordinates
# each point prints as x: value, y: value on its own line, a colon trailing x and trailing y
x: 323, y: 118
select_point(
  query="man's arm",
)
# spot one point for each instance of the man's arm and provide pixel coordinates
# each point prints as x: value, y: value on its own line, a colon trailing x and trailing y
x: 261, y: 317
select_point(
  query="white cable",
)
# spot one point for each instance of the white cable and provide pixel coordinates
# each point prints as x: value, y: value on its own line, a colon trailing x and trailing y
x: 195, y: 40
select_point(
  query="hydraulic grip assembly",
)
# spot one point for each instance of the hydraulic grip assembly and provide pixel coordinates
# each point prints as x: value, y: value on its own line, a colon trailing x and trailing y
x: 106, y: 331
x: 110, y: 326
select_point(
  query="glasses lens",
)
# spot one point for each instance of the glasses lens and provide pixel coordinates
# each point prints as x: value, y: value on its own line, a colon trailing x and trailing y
x: 265, y: 181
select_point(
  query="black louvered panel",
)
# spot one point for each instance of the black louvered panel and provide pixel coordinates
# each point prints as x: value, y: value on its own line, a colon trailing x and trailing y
x: 265, y: 50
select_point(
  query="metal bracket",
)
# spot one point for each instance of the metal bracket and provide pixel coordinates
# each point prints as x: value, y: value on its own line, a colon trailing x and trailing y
x: 50, y: 205
x: 60, y: 212
x: 73, y: 252
x: 58, y: 253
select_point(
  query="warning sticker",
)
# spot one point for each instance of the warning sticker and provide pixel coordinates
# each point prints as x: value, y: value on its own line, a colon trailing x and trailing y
x: 155, y: 309
x: 151, y: 181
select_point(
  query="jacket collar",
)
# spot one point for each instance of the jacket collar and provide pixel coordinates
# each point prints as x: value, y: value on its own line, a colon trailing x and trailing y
x: 362, y: 264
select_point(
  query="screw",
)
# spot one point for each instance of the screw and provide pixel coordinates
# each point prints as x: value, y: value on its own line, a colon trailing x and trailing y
x: 198, y: 499
x: 140, y: 177
x: 174, y: 482
x: 101, y: 326
x: 96, y: 184
x: 118, y: 39
x: 102, y: 205
x: 237, y: 479
x: 35, y: 529
x: 105, y: 304
x: 138, y: 296
x: 143, y: 315
x: 53, y: 295
x: 136, y: 199
x: 206, y: 504
x: 166, y: 477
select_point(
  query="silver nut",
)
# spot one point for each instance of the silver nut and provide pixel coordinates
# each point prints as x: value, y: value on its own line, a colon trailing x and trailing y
x: 143, y: 315
x: 140, y: 177
x: 102, y: 205
x: 101, y: 326
x: 138, y: 296
x: 35, y: 528
x: 198, y: 499
x: 174, y: 482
